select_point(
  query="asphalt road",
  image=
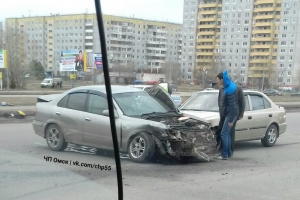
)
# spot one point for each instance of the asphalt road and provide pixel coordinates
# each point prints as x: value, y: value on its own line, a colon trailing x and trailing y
x: 255, y: 172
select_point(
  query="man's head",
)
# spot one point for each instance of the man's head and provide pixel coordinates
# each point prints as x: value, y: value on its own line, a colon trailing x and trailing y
x: 220, y: 78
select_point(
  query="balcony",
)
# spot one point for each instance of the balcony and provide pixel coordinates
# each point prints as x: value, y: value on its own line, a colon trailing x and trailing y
x: 255, y: 75
x: 207, y: 26
x: 257, y: 68
x: 259, y: 61
x: 205, y: 40
x: 155, y: 42
x: 263, y: 24
x: 89, y: 44
x: 157, y: 48
x: 258, y: 2
x: 267, y: 9
x: 156, y: 54
x: 206, y: 33
x: 207, y: 19
x: 204, y: 60
x: 263, y: 17
x: 264, y: 46
x: 263, y: 39
x: 205, y: 47
x: 209, y: 5
x: 261, y: 31
x: 89, y: 31
x: 259, y: 53
x: 210, y: 12
x: 204, y: 53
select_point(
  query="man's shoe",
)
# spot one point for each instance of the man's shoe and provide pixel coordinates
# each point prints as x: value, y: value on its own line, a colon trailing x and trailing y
x: 222, y: 158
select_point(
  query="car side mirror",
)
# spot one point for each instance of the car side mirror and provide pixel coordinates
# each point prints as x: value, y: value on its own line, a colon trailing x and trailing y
x: 106, y: 113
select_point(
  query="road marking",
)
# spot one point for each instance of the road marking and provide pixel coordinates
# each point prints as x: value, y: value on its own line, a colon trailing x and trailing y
x: 37, y: 143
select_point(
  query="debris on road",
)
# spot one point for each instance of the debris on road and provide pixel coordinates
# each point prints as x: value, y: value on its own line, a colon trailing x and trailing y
x: 19, y: 115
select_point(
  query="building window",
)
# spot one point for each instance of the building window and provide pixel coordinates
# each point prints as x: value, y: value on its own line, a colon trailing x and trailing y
x: 289, y: 73
x: 281, y: 57
x: 291, y: 50
x: 282, y: 50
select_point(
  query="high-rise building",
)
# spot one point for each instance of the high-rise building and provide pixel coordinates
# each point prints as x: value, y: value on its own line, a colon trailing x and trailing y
x: 145, y: 43
x: 1, y: 36
x: 255, y: 40
x: 188, y: 46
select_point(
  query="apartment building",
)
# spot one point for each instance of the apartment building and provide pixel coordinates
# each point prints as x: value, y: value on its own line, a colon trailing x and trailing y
x: 1, y: 35
x: 143, y: 43
x: 255, y: 40
x: 188, y: 46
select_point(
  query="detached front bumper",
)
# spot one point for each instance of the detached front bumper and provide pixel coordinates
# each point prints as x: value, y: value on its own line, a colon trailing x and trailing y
x: 39, y: 128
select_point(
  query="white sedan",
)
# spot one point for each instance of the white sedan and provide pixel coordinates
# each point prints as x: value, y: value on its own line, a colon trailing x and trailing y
x: 263, y: 119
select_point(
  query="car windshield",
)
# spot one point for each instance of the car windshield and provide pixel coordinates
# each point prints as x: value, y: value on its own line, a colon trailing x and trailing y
x: 202, y: 102
x: 46, y: 81
x: 135, y: 104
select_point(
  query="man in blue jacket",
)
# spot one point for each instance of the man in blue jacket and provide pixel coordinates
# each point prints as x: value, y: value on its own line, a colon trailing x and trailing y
x: 229, y: 112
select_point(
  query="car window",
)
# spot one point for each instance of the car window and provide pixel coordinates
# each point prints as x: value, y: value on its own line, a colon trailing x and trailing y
x: 257, y: 102
x: 247, y: 107
x: 266, y: 103
x: 139, y: 103
x: 96, y: 104
x: 63, y: 102
x: 77, y: 101
x: 203, y: 102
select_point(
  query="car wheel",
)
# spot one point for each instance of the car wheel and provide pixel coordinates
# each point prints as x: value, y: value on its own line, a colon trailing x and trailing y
x: 55, y: 138
x: 270, y: 137
x: 141, y: 148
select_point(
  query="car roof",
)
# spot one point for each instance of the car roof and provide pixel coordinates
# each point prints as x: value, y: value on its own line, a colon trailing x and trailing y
x: 217, y: 91
x: 115, y: 89
x: 141, y: 85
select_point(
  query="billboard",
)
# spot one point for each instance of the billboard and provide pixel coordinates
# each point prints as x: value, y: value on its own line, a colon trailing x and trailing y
x: 2, y: 59
x: 98, y: 60
x: 72, y: 60
x: 94, y: 61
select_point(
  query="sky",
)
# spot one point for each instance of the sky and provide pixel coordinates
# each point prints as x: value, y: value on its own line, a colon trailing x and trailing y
x: 159, y: 10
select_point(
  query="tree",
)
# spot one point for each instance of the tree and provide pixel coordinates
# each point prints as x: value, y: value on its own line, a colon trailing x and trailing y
x: 172, y: 71
x: 37, y: 69
x: 273, y: 77
x: 297, y: 78
x: 16, y: 68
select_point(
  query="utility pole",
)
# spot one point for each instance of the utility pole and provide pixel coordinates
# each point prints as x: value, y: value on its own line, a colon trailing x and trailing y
x: 263, y: 79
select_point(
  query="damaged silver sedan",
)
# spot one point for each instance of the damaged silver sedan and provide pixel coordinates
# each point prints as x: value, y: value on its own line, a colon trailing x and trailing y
x: 147, y: 122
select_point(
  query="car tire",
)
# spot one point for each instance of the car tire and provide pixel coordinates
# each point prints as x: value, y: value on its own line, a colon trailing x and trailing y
x: 270, y: 137
x: 55, y: 138
x: 141, y: 148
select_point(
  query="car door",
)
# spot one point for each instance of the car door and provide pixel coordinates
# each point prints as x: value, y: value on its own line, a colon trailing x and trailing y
x: 261, y: 114
x: 69, y: 115
x: 96, y: 125
x: 242, y: 126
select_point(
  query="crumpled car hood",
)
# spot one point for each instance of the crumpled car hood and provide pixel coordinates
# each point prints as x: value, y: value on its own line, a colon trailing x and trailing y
x: 158, y: 92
